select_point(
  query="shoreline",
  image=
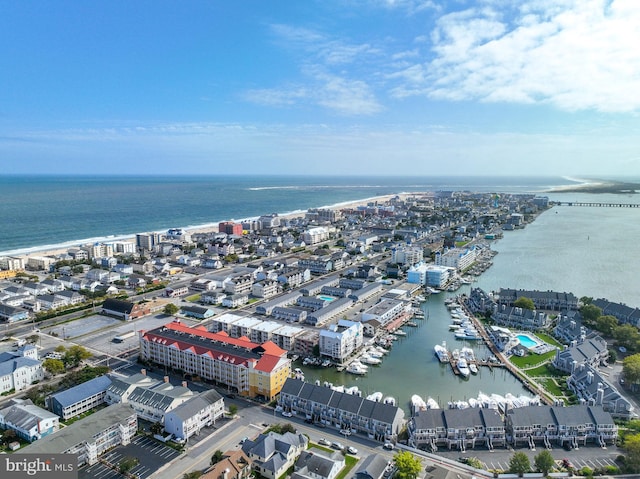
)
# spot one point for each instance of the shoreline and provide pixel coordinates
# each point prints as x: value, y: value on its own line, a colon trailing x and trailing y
x: 61, y: 248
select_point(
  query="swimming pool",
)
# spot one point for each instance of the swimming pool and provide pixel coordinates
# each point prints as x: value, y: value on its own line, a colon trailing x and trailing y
x: 326, y: 298
x: 527, y: 341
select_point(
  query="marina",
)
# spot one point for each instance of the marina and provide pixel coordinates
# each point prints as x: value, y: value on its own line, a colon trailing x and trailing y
x: 410, y: 366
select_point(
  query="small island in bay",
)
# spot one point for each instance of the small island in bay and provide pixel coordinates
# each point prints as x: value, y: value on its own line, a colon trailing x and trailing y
x: 600, y: 186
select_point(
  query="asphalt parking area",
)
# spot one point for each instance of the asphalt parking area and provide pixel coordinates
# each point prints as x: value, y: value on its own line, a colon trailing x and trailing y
x: 151, y: 454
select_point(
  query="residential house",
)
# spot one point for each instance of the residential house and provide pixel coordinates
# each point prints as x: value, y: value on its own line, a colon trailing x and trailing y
x: 318, y: 465
x: 371, y: 467
x: 191, y: 416
x: 273, y: 454
x: 233, y: 465
x: 19, y: 369
x: 29, y: 421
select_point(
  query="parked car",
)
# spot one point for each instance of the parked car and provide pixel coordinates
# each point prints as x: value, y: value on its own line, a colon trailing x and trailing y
x: 352, y: 450
x: 337, y: 445
x: 388, y: 445
x: 324, y: 442
x: 287, y: 414
x: 345, y: 432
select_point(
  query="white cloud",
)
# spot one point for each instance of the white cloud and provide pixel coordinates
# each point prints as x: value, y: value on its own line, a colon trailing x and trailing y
x: 574, y: 55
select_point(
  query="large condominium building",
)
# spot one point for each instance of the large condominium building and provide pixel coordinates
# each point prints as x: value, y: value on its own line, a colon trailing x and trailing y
x: 251, y: 369
x: 230, y: 228
x: 408, y: 255
x: 457, y: 258
x: 341, y: 340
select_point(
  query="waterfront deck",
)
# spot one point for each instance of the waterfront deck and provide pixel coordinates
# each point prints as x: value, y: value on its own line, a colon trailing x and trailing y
x: 598, y: 204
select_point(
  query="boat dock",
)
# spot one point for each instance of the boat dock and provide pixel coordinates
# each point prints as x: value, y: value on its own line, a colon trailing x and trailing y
x: 478, y: 362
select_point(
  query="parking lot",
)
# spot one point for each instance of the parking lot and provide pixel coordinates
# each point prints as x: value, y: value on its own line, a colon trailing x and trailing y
x: 590, y: 456
x: 151, y: 454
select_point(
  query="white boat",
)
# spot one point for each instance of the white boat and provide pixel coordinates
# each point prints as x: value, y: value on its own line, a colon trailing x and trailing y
x: 432, y: 403
x: 389, y: 400
x: 417, y: 404
x: 441, y: 352
x: 376, y: 396
x: 431, y: 290
x: 399, y: 332
x: 366, y: 359
x: 467, y: 353
x: 417, y: 313
x: 356, y: 368
x: 473, y: 368
x: 463, y: 367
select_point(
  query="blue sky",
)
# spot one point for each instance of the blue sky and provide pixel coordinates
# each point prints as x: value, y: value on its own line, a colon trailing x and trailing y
x: 384, y: 87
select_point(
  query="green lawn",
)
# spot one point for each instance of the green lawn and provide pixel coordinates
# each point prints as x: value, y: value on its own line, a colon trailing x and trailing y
x: 194, y: 298
x: 349, y: 463
x: 551, y: 387
x: 544, y: 370
x: 549, y: 339
x: 531, y: 359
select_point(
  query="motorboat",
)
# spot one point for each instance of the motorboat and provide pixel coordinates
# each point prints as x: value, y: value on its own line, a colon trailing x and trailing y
x: 463, y: 367
x: 389, y: 400
x: 417, y: 404
x: 441, y: 352
x: 432, y: 403
x: 356, y: 368
x: 376, y: 396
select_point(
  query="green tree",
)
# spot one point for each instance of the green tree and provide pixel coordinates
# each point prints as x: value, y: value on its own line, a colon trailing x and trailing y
x: 628, y: 336
x: 233, y: 410
x: 519, y: 464
x: 170, y: 309
x: 524, y: 303
x: 192, y: 475
x: 127, y: 464
x: 156, y: 428
x: 631, y: 369
x: 606, y: 324
x: 586, y: 300
x: 54, y: 366
x: 217, y: 457
x: 8, y: 435
x: 613, y: 356
x: 590, y: 314
x: 74, y: 355
x: 631, y: 446
x: 544, y: 462
x: 408, y: 466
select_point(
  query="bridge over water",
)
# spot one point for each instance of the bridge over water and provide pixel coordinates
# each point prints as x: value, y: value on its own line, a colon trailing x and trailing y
x: 598, y: 204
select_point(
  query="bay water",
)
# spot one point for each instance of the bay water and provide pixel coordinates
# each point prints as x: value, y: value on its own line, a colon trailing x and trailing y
x: 587, y: 251
x: 584, y: 250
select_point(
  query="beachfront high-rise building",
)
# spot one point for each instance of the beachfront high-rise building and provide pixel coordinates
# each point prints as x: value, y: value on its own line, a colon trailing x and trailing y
x: 147, y: 241
x: 230, y: 228
x: 251, y: 369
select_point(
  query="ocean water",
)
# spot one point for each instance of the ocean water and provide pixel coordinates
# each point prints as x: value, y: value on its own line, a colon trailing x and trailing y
x: 587, y: 251
x: 37, y: 212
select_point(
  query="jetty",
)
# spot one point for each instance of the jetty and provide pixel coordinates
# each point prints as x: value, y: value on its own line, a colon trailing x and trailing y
x: 595, y: 204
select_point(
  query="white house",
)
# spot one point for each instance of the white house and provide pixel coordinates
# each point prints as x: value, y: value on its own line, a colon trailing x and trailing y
x: 191, y: 416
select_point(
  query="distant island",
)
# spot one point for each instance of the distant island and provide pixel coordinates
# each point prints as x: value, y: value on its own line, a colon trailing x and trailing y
x: 603, y: 186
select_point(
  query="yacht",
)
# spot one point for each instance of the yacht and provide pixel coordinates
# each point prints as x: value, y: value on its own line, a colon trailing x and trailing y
x: 417, y: 404
x: 463, y: 367
x: 389, y: 400
x: 377, y: 397
x: 441, y: 352
x: 399, y: 332
x: 366, y: 359
x: 356, y: 368
x: 473, y: 367
x: 432, y: 403
x: 431, y: 290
